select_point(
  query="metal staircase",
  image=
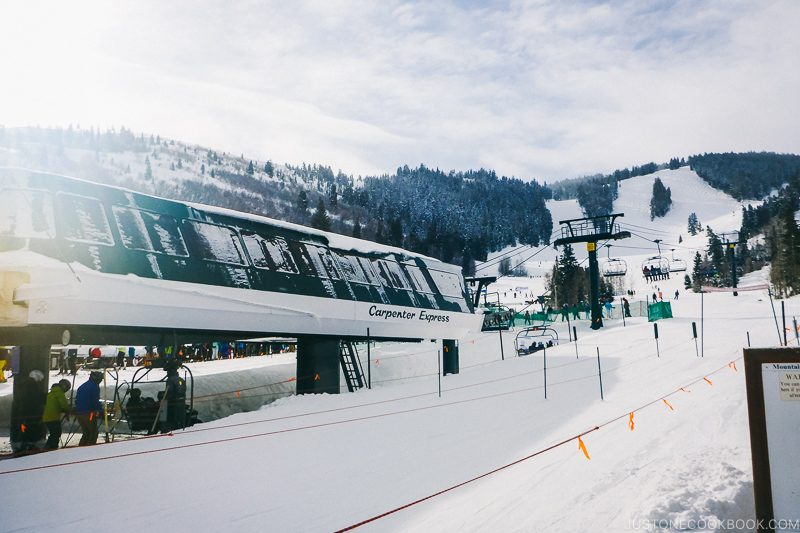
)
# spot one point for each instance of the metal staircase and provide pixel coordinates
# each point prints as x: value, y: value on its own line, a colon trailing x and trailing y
x: 351, y: 367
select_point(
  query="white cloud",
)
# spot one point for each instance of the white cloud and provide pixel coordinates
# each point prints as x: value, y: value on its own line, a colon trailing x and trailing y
x: 540, y: 89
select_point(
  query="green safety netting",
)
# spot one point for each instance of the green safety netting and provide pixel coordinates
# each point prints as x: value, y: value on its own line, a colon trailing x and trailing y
x: 659, y: 310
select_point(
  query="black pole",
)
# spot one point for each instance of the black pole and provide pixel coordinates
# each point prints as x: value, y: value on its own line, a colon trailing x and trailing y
x: 772, y: 304
x: 599, y: 373
x: 500, y: 332
x: 569, y: 327
x: 594, y: 286
x: 732, y: 250
x: 655, y: 331
x: 545, y: 372
x: 575, y: 334
x: 796, y: 333
x: 694, y: 335
x: 702, y: 325
x: 622, y: 306
x: 783, y: 319
x: 369, y: 364
x: 748, y: 339
x: 439, y: 361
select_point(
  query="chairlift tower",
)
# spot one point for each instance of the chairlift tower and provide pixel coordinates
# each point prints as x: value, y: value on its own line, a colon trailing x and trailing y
x: 590, y: 230
x: 729, y: 244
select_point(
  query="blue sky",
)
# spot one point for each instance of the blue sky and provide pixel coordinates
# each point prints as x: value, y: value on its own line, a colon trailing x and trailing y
x: 535, y: 89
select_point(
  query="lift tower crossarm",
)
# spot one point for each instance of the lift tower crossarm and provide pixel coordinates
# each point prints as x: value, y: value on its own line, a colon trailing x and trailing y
x: 590, y: 230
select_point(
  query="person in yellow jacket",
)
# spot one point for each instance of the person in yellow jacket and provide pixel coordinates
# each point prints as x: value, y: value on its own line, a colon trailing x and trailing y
x: 55, y: 406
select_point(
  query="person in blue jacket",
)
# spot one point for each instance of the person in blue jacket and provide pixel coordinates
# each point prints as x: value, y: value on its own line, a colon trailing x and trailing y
x: 87, y: 408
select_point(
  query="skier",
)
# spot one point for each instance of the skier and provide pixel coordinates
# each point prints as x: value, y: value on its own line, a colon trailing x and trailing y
x: 527, y: 318
x: 87, y: 408
x: 55, y: 406
x: 626, y: 306
x: 608, y: 307
x: 677, y: 293
x: 564, y: 312
x: 575, y: 309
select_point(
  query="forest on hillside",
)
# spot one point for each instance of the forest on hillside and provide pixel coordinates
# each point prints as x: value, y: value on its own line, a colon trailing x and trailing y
x: 751, y: 175
x: 455, y: 216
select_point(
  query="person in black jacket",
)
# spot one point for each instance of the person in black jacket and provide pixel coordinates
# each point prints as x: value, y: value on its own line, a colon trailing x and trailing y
x: 175, y: 398
x: 32, y: 430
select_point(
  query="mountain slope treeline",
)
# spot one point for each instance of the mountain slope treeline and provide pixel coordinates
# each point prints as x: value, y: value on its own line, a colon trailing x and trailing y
x: 750, y: 175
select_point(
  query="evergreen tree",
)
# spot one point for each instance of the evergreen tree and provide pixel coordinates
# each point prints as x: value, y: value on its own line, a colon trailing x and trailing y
x: 357, y: 229
x: 202, y: 169
x: 250, y: 169
x: 302, y: 201
x: 148, y: 170
x: 396, y: 232
x: 697, y: 273
x: 693, y: 224
x: 467, y: 263
x: 716, y: 254
x: 333, y: 197
x: 785, y: 272
x: 687, y: 281
x: 661, y: 201
x: 380, y: 237
x: 504, y: 268
x: 269, y: 170
x: 320, y: 219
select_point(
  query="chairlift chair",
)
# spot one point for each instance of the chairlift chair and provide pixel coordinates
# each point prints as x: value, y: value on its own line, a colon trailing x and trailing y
x: 614, y: 267
x: 677, y: 265
x: 531, y: 340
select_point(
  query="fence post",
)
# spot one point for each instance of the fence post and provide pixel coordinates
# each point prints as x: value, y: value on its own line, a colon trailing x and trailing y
x: 575, y: 334
x: 545, y: 372
x: 439, y: 361
x: 655, y: 330
x: 694, y: 335
x: 599, y: 372
x: 796, y: 333
x: 783, y: 317
x: 748, y: 339
x: 369, y: 364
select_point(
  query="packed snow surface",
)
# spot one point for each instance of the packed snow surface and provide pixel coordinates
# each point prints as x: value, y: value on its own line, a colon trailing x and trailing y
x: 324, y: 462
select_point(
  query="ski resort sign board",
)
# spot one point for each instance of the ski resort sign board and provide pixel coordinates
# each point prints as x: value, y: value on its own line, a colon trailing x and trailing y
x: 773, y: 403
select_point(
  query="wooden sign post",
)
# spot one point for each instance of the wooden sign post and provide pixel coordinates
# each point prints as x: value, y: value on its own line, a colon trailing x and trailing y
x: 773, y: 404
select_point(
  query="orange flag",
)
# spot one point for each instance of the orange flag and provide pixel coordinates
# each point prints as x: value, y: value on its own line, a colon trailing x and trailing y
x: 316, y: 377
x: 238, y: 394
x: 292, y: 379
x: 708, y: 381
x: 732, y: 364
x: 23, y: 427
x: 631, y: 425
x: 667, y: 404
x: 582, y: 447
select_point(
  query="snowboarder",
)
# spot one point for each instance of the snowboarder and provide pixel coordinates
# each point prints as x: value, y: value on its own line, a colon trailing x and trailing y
x: 55, y: 406
x: 87, y: 408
